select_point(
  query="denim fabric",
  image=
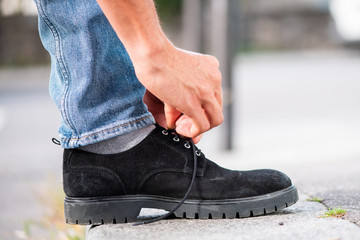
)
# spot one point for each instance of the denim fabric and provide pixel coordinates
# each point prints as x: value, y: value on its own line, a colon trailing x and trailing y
x: 92, y: 79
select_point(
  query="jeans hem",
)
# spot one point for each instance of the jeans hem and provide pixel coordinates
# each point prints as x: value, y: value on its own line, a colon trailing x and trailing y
x: 107, y: 132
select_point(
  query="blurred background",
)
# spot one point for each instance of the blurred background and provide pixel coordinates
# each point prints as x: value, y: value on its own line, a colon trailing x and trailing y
x: 291, y: 89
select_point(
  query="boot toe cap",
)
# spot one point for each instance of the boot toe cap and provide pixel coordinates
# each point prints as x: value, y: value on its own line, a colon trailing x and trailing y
x: 266, y: 181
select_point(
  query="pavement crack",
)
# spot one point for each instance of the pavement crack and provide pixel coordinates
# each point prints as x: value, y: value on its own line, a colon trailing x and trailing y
x: 323, y: 201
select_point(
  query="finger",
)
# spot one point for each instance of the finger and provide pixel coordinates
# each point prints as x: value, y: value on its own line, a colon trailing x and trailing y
x: 203, y: 117
x: 160, y: 119
x: 183, y: 125
x: 171, y: 115
x: 199, y: 120
x: 214, y: 78
x: 197, y: 139
x: 213, y: 112
x: 217, y: 78
x: 219, y: 97
x: 213, y: 61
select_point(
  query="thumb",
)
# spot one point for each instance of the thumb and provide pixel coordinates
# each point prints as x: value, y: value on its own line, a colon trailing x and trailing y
x: 171, y: 115
x: 183, y: 127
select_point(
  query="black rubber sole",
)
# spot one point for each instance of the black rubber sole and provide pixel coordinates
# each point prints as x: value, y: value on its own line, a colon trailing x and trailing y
x: 124, y: 209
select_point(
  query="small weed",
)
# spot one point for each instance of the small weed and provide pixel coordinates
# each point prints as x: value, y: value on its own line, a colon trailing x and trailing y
x: 27, y: 226
x: 335, y: 212
x: 315, y: 199
x: 52, y: 226
x: 74, y: 237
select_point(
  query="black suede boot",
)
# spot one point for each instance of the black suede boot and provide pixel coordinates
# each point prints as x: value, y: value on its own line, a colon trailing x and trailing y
x: 157, y: 173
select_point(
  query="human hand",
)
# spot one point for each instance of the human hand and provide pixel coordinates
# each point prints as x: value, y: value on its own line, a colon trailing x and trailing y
x: 156, y: 107
x: 188, y: 83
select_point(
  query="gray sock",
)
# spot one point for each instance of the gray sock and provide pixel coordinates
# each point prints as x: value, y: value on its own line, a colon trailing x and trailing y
x: 120, y: 143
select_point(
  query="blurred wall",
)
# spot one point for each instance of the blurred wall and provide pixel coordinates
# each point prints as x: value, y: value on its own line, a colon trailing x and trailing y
x: 286, y: 24
x: 19, y: 41
x: 19, y: 38
x: 263, y: 25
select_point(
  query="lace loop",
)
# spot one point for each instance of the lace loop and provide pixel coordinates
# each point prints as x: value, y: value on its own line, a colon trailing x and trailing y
x: 55, y: 141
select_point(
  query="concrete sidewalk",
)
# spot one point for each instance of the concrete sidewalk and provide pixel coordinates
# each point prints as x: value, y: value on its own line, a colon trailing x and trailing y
x: 337, y: 185
x: 298, y: 222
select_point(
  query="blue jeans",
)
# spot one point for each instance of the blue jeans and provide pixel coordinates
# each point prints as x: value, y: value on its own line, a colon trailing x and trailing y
x: 92, y: 79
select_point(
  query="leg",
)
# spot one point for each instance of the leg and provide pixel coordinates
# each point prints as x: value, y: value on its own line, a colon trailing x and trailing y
x: 92, y: 81
x: 94, y: 86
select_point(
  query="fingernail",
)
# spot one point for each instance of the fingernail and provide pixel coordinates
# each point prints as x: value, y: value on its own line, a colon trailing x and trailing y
x: 194, y: 131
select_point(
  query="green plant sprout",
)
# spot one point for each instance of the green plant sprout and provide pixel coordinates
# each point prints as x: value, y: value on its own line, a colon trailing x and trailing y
x: 335, y: 212
x: 315, y: 199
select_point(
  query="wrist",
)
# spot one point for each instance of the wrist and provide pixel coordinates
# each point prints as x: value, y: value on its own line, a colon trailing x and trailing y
x: 137, y: 25
x: 148, y: 48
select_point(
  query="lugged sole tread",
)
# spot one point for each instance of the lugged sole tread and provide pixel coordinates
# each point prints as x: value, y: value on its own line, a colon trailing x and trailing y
x: 210, y: 216
x: 187, y: 212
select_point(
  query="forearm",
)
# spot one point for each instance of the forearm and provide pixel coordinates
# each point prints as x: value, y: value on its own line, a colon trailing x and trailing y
x: 189, y: 84
x: 137, y: 25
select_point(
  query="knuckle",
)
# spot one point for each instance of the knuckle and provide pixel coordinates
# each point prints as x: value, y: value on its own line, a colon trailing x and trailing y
x: 215, y: 77
x: 204, y: 91
x: 219, y: 97
x: 217, y: 121
x: 206, y: 126
x: 220, y: 119
x: 218, y: 77
x: 214, y: 61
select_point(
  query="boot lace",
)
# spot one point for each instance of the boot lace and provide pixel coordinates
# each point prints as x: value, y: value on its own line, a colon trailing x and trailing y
x: 196, y: 153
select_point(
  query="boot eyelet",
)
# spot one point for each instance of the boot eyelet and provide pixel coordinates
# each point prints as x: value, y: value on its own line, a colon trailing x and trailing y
x: 187, y: 145
x: 165, y: 132
x: 176, y: 139
x: 198, y: 153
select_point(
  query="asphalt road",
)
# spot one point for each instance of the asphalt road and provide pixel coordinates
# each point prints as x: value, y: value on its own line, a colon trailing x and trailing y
x: 28, y: 121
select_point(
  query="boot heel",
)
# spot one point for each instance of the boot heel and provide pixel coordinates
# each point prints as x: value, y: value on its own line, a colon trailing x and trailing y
x: 100, y: 211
